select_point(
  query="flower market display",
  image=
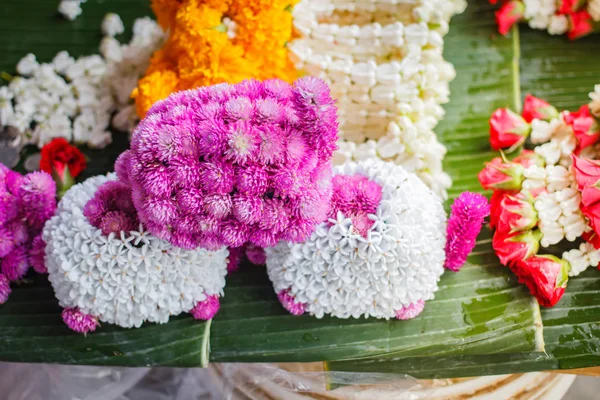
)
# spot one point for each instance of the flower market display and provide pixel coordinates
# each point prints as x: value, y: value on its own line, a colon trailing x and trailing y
x: 383, y: 249
x: 545, y: 195
x: 214, y: 42
x: 385, y: 66
x: 575, y: 18
x: 105, y: 267
x: 76, y: 98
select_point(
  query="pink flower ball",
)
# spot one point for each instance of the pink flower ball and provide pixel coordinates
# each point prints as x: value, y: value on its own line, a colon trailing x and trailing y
x: 230, y: 164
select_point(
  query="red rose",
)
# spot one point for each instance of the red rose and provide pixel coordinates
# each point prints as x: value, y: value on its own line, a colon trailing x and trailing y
x: 593, y: 238
x: 496, y: 206
x: 507, y: 129
x: 587, y: 172
x: 535, y: 108
x: 546, y: 277
x: 571, y: 6
x: 509, y: 14
x: 581, y: 24
x: 64, y: 161
x: 517, y: 213
x: 512, y: 247
x: 584, y: 125
x: 498, y: 174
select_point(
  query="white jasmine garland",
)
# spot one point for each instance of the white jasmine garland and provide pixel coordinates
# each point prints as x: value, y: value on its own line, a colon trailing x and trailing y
x: 595, y: 104
x: 384, y: 64
x: 126, y: 279
x: 343, y: 274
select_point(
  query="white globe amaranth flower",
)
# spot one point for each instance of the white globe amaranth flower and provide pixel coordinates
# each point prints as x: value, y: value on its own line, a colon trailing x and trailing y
x: 124, y: 280
x: 394, y: 267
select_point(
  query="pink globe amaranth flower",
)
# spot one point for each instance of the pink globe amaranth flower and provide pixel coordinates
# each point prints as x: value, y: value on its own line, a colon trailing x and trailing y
x: 15, y: 264
x: 236, y: 254
x: 9, y: 207
x: 111, y: 209
x: 37, y: 254
x: 206, y: 309
x: 247, y: 145
x: 4, y: 289
x: 289, y: 303
x: 122, y: 166
x: 7, y: 241
x: 468, y: 214
x: 14, y: 181
x: 37, y: 196
x: 20, y: 231
x: 117, y: 222
x: 355, y: 197
x: 256, y: 255
x: 411, y: 311
x: 78, y: 321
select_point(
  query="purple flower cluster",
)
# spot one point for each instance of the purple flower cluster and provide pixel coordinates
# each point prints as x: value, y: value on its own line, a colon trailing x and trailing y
x: 111, y: 209
x: 469, y: 211
x: 252, y: 253
x: 230, y: 164
x: 26, y: 203
x: 78, y: 321
x: 356, y: 197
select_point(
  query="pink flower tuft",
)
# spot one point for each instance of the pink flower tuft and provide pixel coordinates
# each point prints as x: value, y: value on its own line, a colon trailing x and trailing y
x: 4, y: 289
x: 256, y: 154
x: 410, y: 311
x: 469, y: 211
x: 15, y: 264
x: 236, y: 254
x: 355, y: 197
x: 256, y: 255
x: 117, y: 222
x: 78, y: 321
x: 7, y: 241
x: 206, y: 309
x: 37, y: 254
x: 289, y: 303
x: 111, y: 209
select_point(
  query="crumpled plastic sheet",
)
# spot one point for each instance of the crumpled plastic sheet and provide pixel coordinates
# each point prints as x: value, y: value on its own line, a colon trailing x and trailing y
x: 60, y: 382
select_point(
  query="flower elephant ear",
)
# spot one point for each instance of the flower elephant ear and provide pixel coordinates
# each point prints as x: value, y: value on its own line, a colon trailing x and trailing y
x: 469, y: 211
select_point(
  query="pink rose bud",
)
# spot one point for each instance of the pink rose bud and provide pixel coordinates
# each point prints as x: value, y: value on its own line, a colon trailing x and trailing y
x: 517, y: 213
x: 546, y: 277
x: 585, y: 127
x: 535, y: 108
x: 509, y: 14
x: 587, y: 172
x: 507, y: 129
x: 499, y: 174
x: 511, y: 248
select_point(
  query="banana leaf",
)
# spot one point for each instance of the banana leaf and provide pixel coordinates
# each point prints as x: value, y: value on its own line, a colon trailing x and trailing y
x: 480, y: 317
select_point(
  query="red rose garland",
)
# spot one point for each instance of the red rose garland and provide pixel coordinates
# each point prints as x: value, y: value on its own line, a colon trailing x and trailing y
x: 576, y: 18
x: 546, y: 191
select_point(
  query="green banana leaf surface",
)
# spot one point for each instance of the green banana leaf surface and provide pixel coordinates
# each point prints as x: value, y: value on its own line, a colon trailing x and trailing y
x: 481, y: 321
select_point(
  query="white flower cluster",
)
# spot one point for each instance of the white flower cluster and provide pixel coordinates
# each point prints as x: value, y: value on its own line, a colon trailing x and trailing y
x: 341, y: 273
x: 384, y: 64
x: 75, y: 99
x: 542, y: 14
x: 70, y: 9
x: 582, y: 258
x: 557, y: 206
x: 124, y: 280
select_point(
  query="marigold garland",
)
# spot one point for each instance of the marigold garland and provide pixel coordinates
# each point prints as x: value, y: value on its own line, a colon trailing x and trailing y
x: 202, y: 50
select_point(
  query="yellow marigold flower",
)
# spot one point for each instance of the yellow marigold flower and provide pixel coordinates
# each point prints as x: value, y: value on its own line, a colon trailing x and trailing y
x: 153, y: 87
x: 200, y: 51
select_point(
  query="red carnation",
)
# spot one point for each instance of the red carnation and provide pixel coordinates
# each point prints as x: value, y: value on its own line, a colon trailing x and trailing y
x: 64, y: 161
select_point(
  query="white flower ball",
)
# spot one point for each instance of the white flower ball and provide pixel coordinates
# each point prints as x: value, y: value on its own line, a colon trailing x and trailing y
x: 387, y: 273
x: 124, y: 280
